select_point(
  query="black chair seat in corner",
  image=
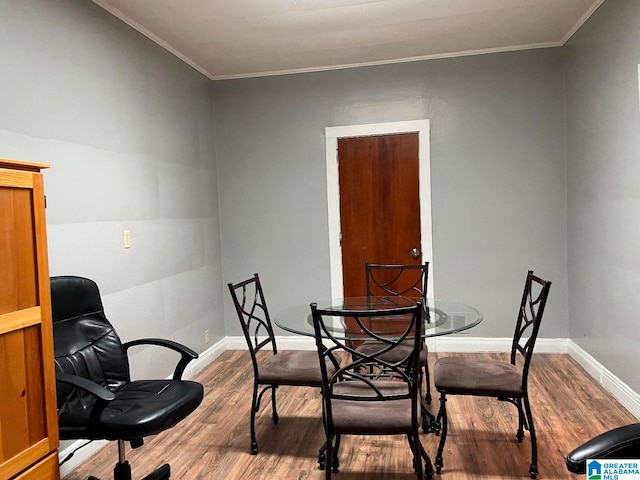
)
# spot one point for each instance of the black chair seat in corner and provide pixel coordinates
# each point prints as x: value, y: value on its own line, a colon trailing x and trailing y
x: 141, y: 408
x: 621, y: 442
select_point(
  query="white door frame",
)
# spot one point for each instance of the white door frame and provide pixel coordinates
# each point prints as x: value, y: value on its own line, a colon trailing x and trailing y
x: 332, y: 134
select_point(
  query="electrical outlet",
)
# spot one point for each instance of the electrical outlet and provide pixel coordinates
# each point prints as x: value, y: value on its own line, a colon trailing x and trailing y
x: 206, y: 336
x: 126, y: 237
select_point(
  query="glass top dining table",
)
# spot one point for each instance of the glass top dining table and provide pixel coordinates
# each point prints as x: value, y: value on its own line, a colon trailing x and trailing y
x: 444, y: 316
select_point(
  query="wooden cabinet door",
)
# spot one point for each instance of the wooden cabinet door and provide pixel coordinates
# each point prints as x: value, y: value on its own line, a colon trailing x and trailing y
x: 28, y: 415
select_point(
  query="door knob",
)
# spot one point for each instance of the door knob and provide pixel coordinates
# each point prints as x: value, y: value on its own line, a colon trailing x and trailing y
x: 415, y: 253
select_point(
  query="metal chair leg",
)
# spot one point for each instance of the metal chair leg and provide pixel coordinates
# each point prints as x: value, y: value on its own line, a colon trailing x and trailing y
x: 533, y: 467
x: 522, y: 423
x: 329, y: 457
x: 442, y: 414
x: 429, y: 421
x: 274, y: 407
x: 336, y: 463
x: 414, y: 442
x: 255, y: 405
x: 322, y: 456
x: 427, y: 380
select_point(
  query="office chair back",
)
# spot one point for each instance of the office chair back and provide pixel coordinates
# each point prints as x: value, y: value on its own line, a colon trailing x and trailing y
x: 85, y: 344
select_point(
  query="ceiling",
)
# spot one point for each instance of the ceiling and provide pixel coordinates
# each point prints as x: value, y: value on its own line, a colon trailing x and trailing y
x: 248, y: 38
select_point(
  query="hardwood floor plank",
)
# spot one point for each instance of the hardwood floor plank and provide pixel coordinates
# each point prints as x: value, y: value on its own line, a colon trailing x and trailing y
x: 569, y: 407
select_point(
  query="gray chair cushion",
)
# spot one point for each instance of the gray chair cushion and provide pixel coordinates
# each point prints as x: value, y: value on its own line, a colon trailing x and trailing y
x: 371, y: 417
x: 472, y: 376
x: 292, y: 367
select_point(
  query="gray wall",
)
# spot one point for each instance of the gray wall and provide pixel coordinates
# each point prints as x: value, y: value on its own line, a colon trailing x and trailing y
x: 497, y: 169
x: 128, y: 131
x: 603, y: 160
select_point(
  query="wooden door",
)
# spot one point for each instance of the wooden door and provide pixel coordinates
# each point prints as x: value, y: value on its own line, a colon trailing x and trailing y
x: 379, y: 204
x: 28, y: 417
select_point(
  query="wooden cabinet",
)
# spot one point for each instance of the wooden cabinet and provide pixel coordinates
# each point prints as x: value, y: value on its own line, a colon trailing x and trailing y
x: 28, y: 414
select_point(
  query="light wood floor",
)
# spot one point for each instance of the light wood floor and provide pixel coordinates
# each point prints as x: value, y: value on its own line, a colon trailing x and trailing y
x: 213, y: 443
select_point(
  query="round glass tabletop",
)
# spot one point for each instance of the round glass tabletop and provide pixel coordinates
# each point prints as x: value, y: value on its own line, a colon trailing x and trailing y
x: 444, y: 316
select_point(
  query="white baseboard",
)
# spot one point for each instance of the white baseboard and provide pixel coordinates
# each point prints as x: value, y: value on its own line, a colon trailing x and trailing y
x: 80, y: 456
x: 459, y: 344
x: 236, y: 343
x: 625, y: 395
x: 447, y: 343
x: 286, y: 342
x: 205, y: 358
x: 620, y: 390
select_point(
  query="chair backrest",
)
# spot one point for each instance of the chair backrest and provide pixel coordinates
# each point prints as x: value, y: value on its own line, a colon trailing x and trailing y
x: 85, y: 343
x: 397, y: 280
x: 361, y: 369
x: 253, y: 314
x: 534, y: 299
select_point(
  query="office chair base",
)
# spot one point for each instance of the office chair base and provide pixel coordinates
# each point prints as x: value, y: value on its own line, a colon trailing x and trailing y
x: 122, y: 471
x: 161, y: 473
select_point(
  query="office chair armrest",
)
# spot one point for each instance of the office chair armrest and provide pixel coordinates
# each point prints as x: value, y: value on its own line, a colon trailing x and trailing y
x: 103, y: 395
x: 621, y: 442
x: 185, y: 352
x: 98, y: 391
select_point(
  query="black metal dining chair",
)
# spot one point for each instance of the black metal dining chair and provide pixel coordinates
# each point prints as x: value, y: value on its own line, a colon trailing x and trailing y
x: 407, y: 281
x: 279, y: 368
x: 358, y: 402
x: 506, y: 381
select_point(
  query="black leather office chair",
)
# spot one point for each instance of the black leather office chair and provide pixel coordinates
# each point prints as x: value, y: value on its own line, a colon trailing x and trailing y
x: 621, y: 442
x: 97, y: 399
